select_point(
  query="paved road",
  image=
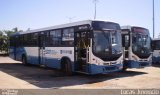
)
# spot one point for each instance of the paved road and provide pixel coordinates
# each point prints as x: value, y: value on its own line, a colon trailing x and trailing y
x: 14, y: 75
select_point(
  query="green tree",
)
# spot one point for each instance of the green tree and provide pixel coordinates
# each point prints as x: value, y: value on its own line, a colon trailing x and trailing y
x: 4, y: 38
x: 1, y: 40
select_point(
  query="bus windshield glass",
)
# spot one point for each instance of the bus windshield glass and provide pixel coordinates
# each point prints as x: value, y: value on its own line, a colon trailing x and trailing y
x: 141, y: 43
x: 107, y: 44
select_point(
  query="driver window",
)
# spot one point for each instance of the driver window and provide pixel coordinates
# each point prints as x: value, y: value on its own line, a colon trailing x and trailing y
x: 113, y: 38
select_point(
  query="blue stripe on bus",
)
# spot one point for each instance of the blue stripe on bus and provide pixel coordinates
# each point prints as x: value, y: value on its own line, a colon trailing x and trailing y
x: 33, y: 60
x: 144, y: 64
x: 135, y: 64
x: 53, y: 63
x: 19, y: 53
x: 16, y: 53
x: 131, y: 64
x: 50, y: 62
x: 156, y: 59
x: 91, y: 69
x: 97, y: 69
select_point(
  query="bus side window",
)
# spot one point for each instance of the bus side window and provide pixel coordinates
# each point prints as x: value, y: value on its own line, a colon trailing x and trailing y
x: 25, y: 40
x: 55, y: 38
x: 68, y: 37
x: 34, y: 39
x: 12, y: 41
x: 17, y: 41
x: 29, y: 38
x: 21, y: 41
x: 47, y: 39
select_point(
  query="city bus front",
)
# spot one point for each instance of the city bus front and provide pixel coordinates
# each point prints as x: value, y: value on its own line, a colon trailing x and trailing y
x: 106, y: 55
x: 141, y: 46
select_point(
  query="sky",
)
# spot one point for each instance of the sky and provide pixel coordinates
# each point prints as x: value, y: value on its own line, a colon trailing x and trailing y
x: 36, y: 14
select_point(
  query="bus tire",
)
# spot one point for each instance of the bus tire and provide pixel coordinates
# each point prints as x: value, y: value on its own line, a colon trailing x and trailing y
x: 24, y: 60
x: 66, y: 67
x: 124, y: 69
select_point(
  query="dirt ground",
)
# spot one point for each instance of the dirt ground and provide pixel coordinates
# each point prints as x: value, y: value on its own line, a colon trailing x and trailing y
x: 15, y: 75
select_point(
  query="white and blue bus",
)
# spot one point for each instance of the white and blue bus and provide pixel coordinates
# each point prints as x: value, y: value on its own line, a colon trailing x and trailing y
x: 156, y: 50
x: 136, y: 44
x: 90, y: 47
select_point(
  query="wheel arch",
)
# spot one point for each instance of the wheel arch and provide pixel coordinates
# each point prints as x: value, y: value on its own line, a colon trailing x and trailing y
x: 66, y: 58
x: 24, y: 55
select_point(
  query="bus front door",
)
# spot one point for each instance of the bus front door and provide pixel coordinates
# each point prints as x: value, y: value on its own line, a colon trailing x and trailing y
x: 42, y: 48
x: 126, y: 45
x: 81, y: 51
x: 126, y: 50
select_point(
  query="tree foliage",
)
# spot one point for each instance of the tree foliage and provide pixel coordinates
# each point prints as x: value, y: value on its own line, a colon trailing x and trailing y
x: 4, y: 38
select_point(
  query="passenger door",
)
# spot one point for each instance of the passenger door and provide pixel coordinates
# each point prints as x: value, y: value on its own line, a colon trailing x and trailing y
x: 125, y: 44
x: 81, y: 51
x: 42, y: 48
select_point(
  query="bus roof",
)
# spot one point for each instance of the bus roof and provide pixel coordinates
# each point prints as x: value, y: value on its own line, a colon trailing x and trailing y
x: 15, y: 34
x: 130, y: 27
x: 136, y: 29
x: 63, y: 26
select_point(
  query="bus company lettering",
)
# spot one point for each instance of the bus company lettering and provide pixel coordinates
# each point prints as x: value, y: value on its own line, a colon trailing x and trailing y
x: 83, y: 27
x: 66, y: 51
x: 50, y: 52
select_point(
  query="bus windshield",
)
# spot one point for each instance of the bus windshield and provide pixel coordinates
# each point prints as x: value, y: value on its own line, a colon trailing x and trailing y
x: 107, y: 44
x: 141, y: 45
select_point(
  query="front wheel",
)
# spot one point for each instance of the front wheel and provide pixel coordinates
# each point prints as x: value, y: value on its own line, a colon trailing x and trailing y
x: 24, y: 60
x: 124, y: 69
x: 66, y: 67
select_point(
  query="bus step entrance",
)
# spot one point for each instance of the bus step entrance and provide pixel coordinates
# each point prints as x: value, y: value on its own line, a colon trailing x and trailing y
x: 81, y: 65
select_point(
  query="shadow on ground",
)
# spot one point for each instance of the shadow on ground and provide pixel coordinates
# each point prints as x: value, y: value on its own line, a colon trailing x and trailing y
x: 49, y: 78
x: 4, y: 54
